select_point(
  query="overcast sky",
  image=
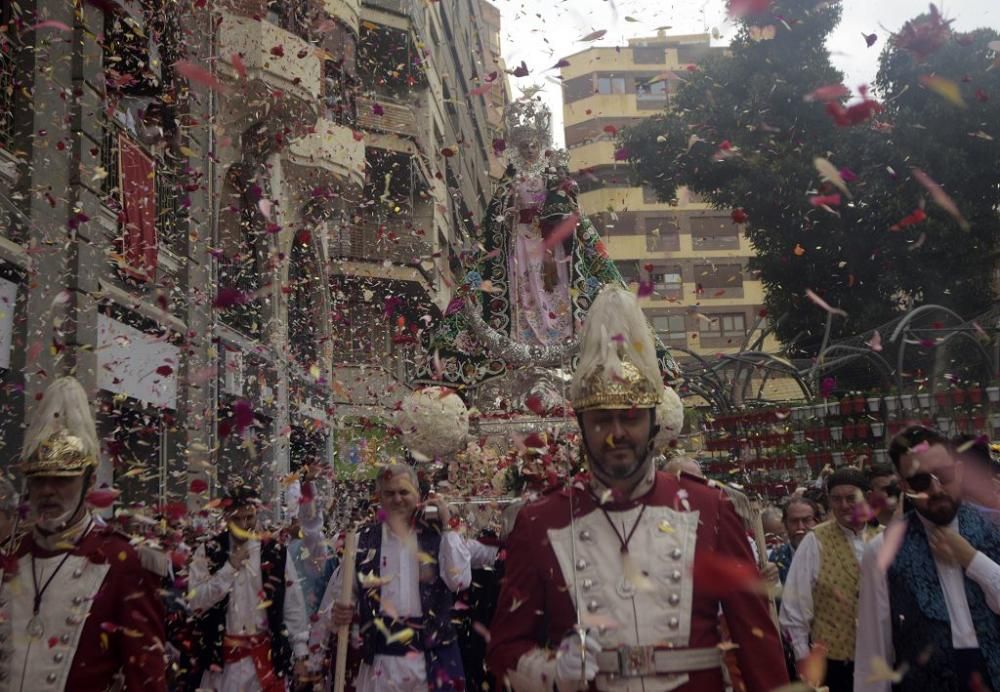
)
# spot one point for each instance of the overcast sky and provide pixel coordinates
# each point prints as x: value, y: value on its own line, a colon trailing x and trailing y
x: 540, y: 32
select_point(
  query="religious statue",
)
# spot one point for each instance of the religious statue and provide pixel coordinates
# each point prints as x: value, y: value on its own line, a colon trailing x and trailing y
x: 540, y: 264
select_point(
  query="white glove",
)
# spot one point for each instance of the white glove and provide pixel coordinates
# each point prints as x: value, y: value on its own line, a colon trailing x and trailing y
x: 576, y: 662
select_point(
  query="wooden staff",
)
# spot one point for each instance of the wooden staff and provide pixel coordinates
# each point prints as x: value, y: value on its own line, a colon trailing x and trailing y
x: 761, y: 541
x: 346, y: 596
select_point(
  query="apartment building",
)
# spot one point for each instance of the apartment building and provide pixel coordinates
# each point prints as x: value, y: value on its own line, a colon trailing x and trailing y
x: 705, y: 299
x: 229, y: 222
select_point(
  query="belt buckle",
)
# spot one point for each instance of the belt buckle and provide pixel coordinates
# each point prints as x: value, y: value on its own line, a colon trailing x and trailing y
x: 635, y: 661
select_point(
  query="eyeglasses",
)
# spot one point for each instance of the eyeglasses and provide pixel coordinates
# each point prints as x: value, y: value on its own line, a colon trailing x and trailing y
x: 921, y: 481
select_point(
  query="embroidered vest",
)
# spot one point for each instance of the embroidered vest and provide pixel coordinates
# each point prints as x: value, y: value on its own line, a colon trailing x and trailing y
x: 916, y: 599
x: 835, y: 596
x: 436, y: 601
x: 211, y: 625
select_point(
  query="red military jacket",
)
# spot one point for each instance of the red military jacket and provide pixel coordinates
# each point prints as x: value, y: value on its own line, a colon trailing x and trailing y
x: 685, y: 541
x: 101, y: 617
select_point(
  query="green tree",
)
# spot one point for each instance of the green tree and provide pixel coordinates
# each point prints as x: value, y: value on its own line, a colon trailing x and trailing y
x: 743, y: 135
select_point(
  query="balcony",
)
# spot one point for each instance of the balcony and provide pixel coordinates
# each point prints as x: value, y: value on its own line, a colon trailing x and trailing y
x: 273, y: 60
x: 379, y: 243
x: 396, y: 118
x: 347, y: 11
x: 331, y: 148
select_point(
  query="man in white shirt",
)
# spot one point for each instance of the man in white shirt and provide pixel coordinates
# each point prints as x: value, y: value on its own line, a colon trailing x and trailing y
x: 930, y: 586
x: 408, y: 566
x: 251, y: 621
x: 820, y: 598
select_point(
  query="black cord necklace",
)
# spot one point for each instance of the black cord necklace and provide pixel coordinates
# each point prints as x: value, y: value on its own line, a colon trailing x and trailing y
x: 36, y: 627
x: 624, y: 540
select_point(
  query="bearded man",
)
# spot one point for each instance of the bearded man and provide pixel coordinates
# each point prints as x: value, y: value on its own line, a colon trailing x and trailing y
x: 614, y: 582
x: 931, y: 607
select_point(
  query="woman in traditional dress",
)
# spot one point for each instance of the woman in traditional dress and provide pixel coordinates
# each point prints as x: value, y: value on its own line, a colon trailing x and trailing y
x: 541, y: 265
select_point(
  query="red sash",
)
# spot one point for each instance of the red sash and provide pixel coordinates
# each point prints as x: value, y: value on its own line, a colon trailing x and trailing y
x: 258, y: 647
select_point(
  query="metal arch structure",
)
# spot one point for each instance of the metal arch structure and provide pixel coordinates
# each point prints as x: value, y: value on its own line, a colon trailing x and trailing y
x: 726, y: 382
x: 750, y: 361
x: 903, y: 330
x: 852, y: 354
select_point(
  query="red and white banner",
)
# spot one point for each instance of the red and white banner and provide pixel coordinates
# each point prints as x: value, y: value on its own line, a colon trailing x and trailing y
x: 138, y: 183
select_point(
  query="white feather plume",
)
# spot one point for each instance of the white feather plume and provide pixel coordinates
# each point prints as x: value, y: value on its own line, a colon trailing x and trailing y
x: 65, y: 406
x: 615, y: 330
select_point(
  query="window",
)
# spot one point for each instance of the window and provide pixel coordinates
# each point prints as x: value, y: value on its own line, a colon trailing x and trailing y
x: 131, y: 60
x: 610, y: 85
x: 649, y: 55
x: 667, y: 281
x: 651, y: 90
x: 662, y: 234
x: 339, y: 93
x: 714, y: 233
x: 718, y: 281
x: 671, y: 327
x: 727, y: 326
x: 629, y: 270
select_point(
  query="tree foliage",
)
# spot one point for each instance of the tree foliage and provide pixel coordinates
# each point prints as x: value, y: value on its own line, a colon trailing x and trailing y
x: 743, y: 133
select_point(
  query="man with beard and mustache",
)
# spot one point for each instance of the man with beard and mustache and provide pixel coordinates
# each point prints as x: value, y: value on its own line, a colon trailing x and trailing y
x: 930, y: 607
x: 78, y: 609
x: 616, y: 581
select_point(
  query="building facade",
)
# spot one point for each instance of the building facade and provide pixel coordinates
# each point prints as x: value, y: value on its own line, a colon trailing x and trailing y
x: 229, y: 219
x: 704, y: 299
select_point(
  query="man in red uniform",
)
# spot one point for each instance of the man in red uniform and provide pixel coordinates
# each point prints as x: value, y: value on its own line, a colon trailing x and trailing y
x: 626, y: 595
x: 78, y: 611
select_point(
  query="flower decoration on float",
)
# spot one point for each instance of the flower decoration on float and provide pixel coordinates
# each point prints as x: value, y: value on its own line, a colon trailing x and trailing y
x: 434, y: 422
x: 670, y: 418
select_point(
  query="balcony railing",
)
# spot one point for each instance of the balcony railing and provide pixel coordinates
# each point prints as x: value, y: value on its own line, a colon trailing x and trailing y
x: 6, y: 92
x: 385, y: 115
x: 372, y: 242
x: 245, y: 315
x: 169, y: 213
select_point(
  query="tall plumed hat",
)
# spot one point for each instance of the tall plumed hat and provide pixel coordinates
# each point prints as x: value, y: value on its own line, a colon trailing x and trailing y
x: 617, y: 367
x: 61, y: 439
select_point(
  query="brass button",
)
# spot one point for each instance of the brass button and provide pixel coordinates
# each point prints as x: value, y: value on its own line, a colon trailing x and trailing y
x: 77, y: 600
x: 73, y: 621
x: 581, y: 565
x: 58, y: 658
x: 585, y: 535
x: 675, y: 576
x: 588, y: 584
x: 64, y: 638
x: 676, y: 553
x: 593, y: 606
x: 673, y: 623
x: 674, y: 599
x: 77, y: 573
x: 51, y: 678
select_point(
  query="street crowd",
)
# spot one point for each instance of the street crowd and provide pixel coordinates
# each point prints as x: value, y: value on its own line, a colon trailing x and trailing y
x: 633, y: 575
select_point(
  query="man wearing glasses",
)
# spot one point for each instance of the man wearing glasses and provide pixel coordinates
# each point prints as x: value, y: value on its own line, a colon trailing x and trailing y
x: 820, y: 600
x: 930, y: 586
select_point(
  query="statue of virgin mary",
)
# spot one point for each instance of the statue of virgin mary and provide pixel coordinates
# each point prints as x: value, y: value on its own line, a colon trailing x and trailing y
x: 540, y: 266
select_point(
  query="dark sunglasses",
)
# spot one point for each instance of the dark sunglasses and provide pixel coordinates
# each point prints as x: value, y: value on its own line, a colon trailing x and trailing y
x: 921, y: 482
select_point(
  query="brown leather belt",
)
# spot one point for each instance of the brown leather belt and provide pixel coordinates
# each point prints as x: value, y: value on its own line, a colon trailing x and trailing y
x: 636, y: 661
